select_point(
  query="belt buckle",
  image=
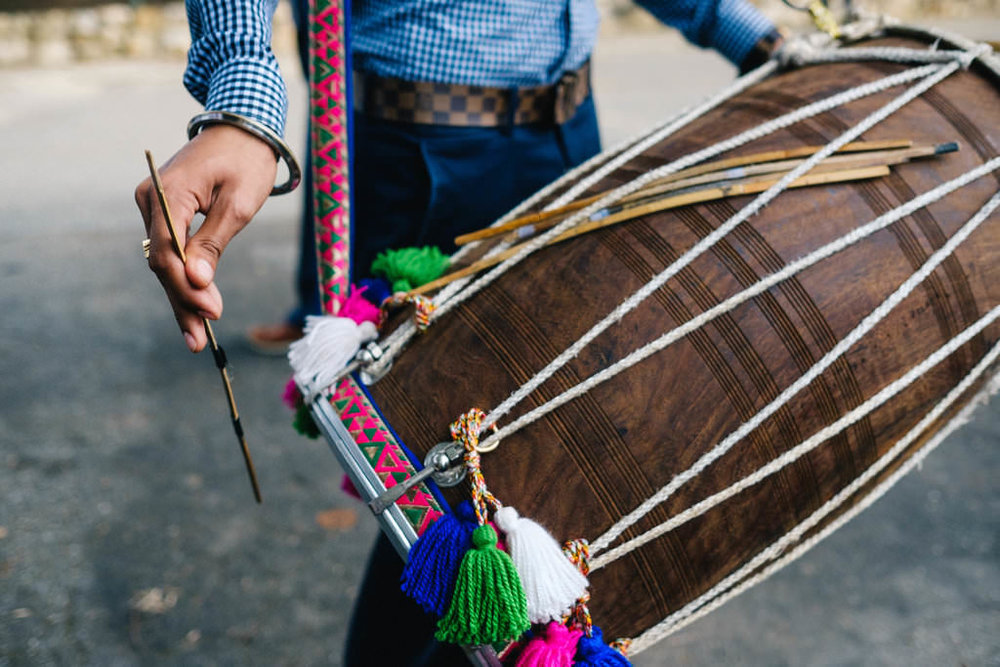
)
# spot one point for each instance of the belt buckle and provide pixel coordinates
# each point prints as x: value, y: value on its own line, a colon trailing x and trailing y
x: 565, y: 104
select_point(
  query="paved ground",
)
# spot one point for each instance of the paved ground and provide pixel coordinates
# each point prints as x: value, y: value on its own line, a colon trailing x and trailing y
x: 127, y: 531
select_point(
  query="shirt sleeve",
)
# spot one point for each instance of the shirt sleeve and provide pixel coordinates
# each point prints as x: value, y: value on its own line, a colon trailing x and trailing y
x: 230, y: 64
x: 731, y: 27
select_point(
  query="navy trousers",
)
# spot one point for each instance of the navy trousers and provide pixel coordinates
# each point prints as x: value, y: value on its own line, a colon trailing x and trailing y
x: 423, y: 185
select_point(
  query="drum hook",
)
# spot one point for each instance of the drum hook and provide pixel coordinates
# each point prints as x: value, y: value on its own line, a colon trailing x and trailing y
x: 488, y: 448
x: 822, y: 17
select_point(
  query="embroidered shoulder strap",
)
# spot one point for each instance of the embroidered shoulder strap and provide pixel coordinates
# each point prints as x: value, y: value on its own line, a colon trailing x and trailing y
x: 330, y: 116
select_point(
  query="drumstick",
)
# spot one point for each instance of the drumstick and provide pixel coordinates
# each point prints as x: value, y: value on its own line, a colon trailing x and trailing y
x: 217, y: 352
x: 834, y: 163
x: 699, y: 170
x: 752, y: 186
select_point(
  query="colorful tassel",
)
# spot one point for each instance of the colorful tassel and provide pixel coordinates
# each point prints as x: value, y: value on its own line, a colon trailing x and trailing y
x: 329, y: 344
x: 552, y: 584
x: 375, y: 290
x: 555, y: 647
x: 303, y: 422
x: 408, y: 268
x: 358, y: 309
x: 347, y: 486
x: 430, y: 571
x: 488, y: 604
x: 593, y: 652
x: 292, y: 397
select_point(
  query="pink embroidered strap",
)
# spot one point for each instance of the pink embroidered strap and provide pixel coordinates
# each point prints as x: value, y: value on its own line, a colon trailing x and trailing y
x: 385, y: 455
x: 330, y: 111
x: 330, y: 116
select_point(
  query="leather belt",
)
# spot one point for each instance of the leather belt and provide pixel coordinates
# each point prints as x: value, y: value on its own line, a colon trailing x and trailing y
x: 431, y: 103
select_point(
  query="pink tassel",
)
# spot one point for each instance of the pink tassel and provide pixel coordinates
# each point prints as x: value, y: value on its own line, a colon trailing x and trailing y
x: 292, y: 397
x: 554, y: 647
x: 357, y: 308
x: 347, y: 486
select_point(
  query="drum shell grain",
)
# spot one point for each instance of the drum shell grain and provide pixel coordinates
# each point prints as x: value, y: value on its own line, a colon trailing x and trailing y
x: 592, y: 461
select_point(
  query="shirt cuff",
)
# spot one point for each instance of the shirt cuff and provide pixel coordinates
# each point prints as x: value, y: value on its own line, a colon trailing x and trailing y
x: 249, y: 88
x: 738, y: 27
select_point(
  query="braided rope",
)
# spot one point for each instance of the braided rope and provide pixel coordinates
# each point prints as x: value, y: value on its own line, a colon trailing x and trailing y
x: 466, y: 430
x: 761, y: 286
x: 932, y: 74
x: 855, y: 335
x: 698, y: 607
x: 682, y: 618
x: 801, y: 449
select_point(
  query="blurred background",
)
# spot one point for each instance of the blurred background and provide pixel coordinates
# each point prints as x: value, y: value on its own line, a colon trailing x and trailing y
x: 128, y: 533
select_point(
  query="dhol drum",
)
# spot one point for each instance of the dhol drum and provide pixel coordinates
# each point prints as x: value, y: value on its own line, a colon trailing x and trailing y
x: 703, y: 392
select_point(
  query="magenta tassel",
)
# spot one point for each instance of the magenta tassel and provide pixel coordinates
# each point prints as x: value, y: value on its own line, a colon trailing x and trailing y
x: 554, y: 647
x: 357, y: 308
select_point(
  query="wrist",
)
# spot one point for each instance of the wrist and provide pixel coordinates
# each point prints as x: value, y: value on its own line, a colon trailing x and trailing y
x: 258, y: 130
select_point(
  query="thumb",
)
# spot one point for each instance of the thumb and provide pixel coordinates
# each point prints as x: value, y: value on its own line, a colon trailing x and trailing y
x: 203, y: 254
x: 205, y: 247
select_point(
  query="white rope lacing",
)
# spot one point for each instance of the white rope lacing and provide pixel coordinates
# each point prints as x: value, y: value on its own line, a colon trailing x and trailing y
x: 759, y: 287
x: 856, y: 334
x: 799, y: 57
x: 798, y: 52
x: 942, y: 64
x: 741, y: 580
x: 931, y: 75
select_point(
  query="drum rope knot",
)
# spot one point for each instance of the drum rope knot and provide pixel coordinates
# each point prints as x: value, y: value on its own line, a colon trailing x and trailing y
x: 466, y: 430
x: 423, y: 308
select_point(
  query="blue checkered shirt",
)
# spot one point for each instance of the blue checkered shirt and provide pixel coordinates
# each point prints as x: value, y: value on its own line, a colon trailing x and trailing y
x: 496, y: 43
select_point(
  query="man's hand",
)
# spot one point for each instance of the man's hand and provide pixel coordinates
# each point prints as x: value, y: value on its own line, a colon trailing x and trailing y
x: 226, y: 174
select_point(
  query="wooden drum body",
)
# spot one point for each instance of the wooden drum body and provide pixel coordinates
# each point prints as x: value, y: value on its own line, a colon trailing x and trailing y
x: 587, y: 464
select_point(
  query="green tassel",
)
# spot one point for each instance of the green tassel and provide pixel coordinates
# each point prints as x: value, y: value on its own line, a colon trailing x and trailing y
x: 488, y: 604
x: 303, y: 422
x: 409, y: 268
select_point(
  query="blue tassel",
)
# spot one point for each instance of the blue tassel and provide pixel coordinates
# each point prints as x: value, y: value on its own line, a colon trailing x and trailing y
x: 429, y: 573
x: 593, y: 652
x: 378, y: 290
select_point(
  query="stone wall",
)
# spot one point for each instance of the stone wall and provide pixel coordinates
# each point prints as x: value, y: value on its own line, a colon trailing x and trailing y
x: 61, y: 36
x: 622, y: 15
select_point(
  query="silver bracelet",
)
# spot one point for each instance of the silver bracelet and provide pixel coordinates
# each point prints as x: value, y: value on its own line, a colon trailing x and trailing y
x: 260, y: 131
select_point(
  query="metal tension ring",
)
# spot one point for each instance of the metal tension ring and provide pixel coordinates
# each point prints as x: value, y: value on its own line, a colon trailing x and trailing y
x: 367, y: 356
x: 444, y: 457
x: 439, y: 465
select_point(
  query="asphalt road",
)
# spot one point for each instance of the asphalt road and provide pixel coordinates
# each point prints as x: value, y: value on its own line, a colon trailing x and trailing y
x: 128, y: 535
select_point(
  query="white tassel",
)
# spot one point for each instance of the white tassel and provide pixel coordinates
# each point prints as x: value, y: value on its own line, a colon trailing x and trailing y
x: 329, y: 344
x: 551, y: 582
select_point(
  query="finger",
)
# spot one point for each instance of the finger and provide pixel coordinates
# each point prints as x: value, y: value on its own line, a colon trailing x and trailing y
x: 142, y: 201
x: 192, y: 326
x: 203, y: 303
x: 189, y: 303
